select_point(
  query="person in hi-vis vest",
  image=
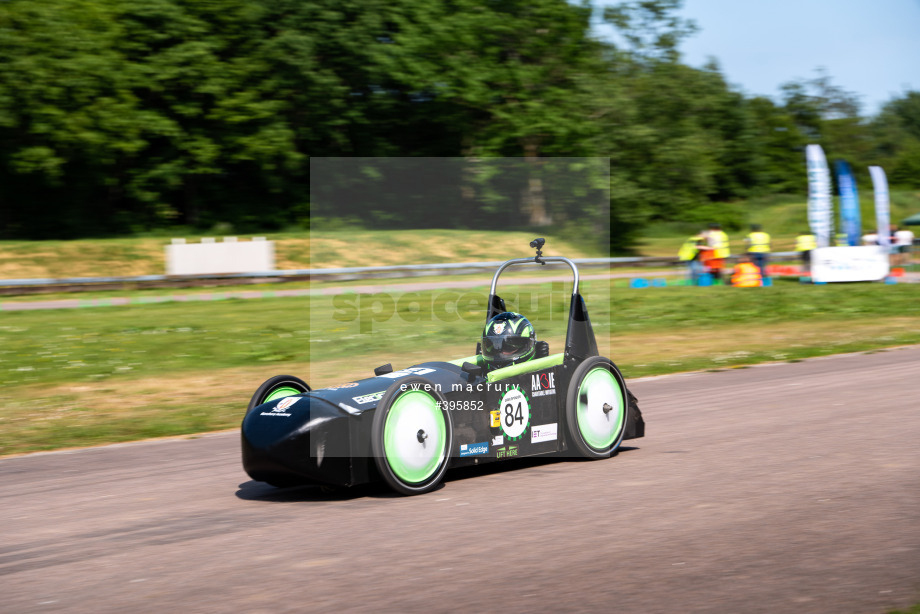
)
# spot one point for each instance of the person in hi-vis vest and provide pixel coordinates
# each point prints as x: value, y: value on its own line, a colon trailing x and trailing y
x: 692, y: 252
x: 758, y: 247
x: 714, y: 258
x: 804, y: 243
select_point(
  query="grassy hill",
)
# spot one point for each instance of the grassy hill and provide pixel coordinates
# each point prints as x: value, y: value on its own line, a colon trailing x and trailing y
x: 318, y: 249
x: 782, y: 216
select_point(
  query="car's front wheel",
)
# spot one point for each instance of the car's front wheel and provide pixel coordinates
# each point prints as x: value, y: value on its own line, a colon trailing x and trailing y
x: 276, y: 388
x: 596, y: 408
x: 411, y: 437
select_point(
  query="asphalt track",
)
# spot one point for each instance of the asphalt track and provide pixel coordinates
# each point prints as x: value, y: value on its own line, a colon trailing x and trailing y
x: 780, y: 488
x: 421, y: 285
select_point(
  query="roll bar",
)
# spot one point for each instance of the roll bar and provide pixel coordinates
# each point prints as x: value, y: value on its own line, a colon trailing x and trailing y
x: 579, y: 337
x: 536, y: 260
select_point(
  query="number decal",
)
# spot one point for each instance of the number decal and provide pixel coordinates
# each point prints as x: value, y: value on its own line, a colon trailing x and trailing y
x: 515, y: 413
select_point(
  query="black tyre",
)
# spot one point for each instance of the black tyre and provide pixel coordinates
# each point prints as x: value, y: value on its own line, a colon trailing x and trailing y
x: 277, y: 387
x: 412, y: 436
x: 596, y: 408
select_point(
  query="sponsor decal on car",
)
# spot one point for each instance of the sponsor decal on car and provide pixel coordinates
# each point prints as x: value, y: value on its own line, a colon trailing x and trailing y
x: 543, y: 384
x: 474, y: 449
x: 545, y: 432
x: 498, y: 440
x: 286, y: 402
x: 279, y: 408
x: 368, y: 398
x: 496, y: 415
x: 409, y: 371
x: 506, y: 452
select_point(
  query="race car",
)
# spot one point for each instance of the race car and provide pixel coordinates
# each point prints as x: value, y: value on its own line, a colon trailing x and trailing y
x: 407, y: 427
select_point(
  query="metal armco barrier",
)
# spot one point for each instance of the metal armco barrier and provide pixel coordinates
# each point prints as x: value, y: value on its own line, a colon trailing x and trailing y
x: 87, y: 284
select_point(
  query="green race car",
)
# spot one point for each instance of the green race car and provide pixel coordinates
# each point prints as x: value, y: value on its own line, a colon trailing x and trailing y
x: 408, y: 427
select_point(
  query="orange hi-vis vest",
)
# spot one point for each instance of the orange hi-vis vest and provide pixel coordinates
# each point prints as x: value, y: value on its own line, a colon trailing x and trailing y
x: 746, y: 275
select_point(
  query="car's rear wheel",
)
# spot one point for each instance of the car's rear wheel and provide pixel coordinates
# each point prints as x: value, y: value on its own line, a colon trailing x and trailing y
x: 276, y: 388
x: 596, y: 407
x: 412, y: 436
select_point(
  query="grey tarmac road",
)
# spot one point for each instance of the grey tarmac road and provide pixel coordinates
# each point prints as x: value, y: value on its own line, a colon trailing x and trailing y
x: 780, y: 488
x: 421, y: 285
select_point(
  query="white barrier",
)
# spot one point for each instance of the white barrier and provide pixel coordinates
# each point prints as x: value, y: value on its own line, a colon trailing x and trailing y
x: 856, y: 263
x: 228, y: 256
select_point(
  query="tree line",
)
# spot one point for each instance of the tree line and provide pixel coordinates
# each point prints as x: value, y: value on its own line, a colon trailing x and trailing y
x: 121, y: 116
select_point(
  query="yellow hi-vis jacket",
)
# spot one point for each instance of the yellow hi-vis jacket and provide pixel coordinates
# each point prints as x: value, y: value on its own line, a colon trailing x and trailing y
x: 689, y: 250
x: 758, y: 242
x: 718, y: 240
x: 805, y: 243
x: 746, y: 275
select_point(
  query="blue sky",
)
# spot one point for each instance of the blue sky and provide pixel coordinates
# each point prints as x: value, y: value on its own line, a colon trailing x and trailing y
x: 870, y: 48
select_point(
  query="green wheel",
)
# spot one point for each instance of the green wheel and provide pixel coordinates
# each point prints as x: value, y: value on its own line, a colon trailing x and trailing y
x: 596, y: 408
x: 411, y: 436
x: 276, y: 388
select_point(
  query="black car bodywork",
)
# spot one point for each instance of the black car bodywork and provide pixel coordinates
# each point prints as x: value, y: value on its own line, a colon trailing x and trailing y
x: 338, y: 435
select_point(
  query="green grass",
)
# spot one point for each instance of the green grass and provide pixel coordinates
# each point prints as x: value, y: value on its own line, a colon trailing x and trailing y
x: 142, y: 340
x: 783, y: 216
x: 106, y: 374
x: 787, y: 215
x: 100, y: 375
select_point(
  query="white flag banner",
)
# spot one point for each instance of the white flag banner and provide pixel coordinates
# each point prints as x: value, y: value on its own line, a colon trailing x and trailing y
x: 850, y: 263
x: 882, y: 215
x: 820, y: 214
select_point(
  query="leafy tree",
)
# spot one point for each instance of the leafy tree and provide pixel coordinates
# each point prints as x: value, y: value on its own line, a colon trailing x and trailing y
x: 692, y: 140
x: 515, y: 73
x: 65, y: 115
x: 896, y: 136
x: 779, y: 146
x: 652, y: 29
x: 121, y: 115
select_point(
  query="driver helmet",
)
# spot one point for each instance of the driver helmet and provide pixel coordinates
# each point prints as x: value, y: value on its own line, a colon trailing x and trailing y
x: 508, y: 339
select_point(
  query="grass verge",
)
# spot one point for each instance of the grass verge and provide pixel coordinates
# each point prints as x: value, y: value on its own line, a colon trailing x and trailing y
x: 103, y: 375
